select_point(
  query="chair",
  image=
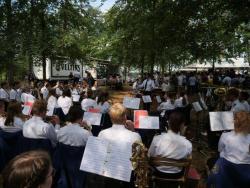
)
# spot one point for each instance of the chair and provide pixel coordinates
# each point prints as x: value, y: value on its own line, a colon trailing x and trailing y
x: 67, y: 160
x: 28, y: 144
x: 161, y: 180
x: 230, y: 175
x: 11, y: 139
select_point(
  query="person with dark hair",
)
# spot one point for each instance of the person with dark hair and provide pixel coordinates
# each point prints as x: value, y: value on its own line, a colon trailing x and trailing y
x: 237, y: 105
x: 52, y: 102
x: 76, y: 132
x: 243, y: 98
x: 65, y: 101
x: 15, y: 119
x: 90, y: 79
x: 171, y: 144
x: 4, y: 94
x: 31, y: 169
x: 45, y: 90
x: 103, y: 102
x: 15, y: 93
x: 2, y: 113
x: 168, y: 104
x: 37, y: 128
x: 181, y: 100
x: 88, y: 102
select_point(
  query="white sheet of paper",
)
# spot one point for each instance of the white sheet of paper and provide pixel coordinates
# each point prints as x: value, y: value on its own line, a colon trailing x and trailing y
x: 76, y: 98
x: 92, y: 118
x: 158, y: 99
x: 146, y: 98
x: 149, y: 122
x: 197, y: 106
x: 107, y: 159
x: 132, y: 103
x: 220, y: 121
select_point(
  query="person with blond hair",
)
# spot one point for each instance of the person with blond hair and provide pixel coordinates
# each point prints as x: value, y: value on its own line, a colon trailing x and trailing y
x: 29, y: 170
x: 232, y: 169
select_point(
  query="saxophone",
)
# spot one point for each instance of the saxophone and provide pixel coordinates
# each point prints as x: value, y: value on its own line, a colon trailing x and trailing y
x: 140, y: 164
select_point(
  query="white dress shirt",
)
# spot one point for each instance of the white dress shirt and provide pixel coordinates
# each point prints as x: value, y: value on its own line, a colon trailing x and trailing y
x: 4, y: 95
x: 88, y: 103
x: 73, y: 135
x: 26, y: 97
x: 37, y: 128
x: 147, y: 85
x: 13, y: 94
x: 170, y: 145
x: 165, y: 106
x: 178, y: 103
x: 65, y: 103
x: 51, y: 104
x: 234, y: 147
x: 192, y: 81
x: 2, y: 120
x: 238, y: 106
x: 227, y: 80
x: 120, y: 135
x: 246, y: 104
x: 104, y: 108
x: 59, y: 91
x: 45, y: 92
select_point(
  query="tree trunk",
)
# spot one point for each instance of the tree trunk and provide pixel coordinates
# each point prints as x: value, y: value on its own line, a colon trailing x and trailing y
x: 10, y: 40
x: 44, y: 66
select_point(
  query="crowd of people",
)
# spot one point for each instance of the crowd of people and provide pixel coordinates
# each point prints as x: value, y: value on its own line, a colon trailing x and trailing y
x: 57, y: 116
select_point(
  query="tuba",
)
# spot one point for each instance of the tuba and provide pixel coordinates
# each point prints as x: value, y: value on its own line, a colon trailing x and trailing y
x: 140, y: 165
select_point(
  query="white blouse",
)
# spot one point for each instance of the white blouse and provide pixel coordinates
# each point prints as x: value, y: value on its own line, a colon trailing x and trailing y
x: 65, y: 103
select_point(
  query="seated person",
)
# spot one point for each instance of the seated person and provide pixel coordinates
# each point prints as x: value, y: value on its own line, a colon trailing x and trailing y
x: 171, y: 145
x: 237, y: 105
x: 15, y: 119
x: 30, y: 170
x: 36, y: 127
x: 234, y: 148
x: 88, y: 102
x: 103, y: 102
x: 168, y: 104
x: 65, y: 102
x: 181, y: 101
x: 2, y: 113
x: 74, y: 133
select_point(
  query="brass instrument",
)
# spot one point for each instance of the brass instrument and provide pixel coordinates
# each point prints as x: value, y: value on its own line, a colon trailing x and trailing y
x: 140, y: 165
x: 221, y: 93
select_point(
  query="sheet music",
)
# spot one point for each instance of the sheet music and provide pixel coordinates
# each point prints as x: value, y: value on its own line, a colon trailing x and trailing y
x: 137, y: 114
x: 132, y: 103
x: 146, y: 98
x: 220, y: 121
x: 149, y: 122
x: 107, y: 159
x: 158, y: 99
x: 94, y: 155
x: 197, y: 106
x: 92, y: 118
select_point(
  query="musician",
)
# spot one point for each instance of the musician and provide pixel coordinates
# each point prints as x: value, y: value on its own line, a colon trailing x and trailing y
x: 15, y: 119
x: 234, y: 148
x: 88, y: 102
x: 52, y: 101
x: 103, y: 102
x: 168, y: 104
x: 121, y: 133
x: 31, y: 169
x: 237, y: 105
x: 148, y: 85
x: 45, y: 90
x: 181, y: 101
x: 76, y: 132
x: 15, y: 92
x: 2, y: 113
x: 36, y: 127
x: 4, y: 94
x: 171, y: 145
x: 26, y: 95
x: 65, y: 101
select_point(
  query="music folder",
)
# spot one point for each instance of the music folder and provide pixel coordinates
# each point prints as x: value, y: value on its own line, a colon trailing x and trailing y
x: 107, y: 159
x: 220, y: 121
x: 131, y: 103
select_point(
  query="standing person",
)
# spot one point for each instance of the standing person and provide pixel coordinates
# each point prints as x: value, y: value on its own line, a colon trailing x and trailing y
x: 4, y: 93
x: 192, y: 83
x: 2, y: 113
x: 45, y: 90
x: 52, y: 102
x: 26, y: 96
x: 15, y: 92
x: 148, y: 85
x: 88, y: 102
x: 31, y: 169
x: 90, y: 79
x: 59, y: 89
x: 36, y: 127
